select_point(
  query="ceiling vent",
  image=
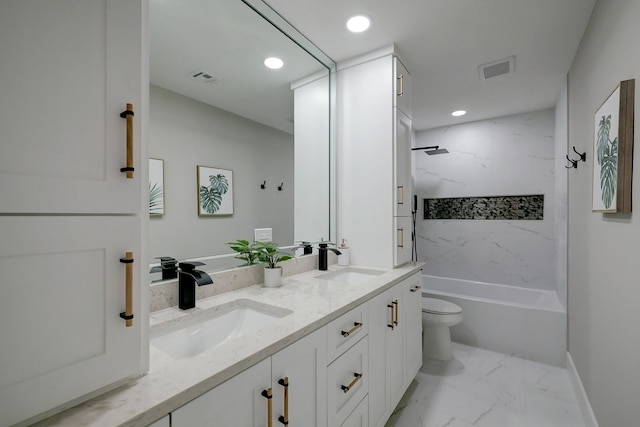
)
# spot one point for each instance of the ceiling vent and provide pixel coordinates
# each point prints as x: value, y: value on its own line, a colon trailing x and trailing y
x: 202, y: 76
x: 497, y: 68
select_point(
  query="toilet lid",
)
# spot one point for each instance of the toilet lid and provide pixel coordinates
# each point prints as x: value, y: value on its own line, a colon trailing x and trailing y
x: 438, y: 306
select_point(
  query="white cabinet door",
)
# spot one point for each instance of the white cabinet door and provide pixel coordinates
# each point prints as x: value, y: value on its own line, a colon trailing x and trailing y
x: 163, y: 422
x: 63, y: 289
x: 402, y: 166
x: 236, y: 402
x: 304, y: 366
x: 68, y: 70
x: 412, y: 312
x: 402, y: 240
x: 402, y: 99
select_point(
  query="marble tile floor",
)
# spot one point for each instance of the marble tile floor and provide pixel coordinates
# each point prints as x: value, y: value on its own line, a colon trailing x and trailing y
x: 486, y: 389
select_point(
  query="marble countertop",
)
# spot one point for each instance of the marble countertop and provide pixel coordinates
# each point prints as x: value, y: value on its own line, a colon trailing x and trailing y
x: 170, y: 382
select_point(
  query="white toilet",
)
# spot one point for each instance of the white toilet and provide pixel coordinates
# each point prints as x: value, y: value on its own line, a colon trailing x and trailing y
x: 437, y: 316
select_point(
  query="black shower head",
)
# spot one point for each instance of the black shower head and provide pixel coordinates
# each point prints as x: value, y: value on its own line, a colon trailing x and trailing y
x: 432, y: 150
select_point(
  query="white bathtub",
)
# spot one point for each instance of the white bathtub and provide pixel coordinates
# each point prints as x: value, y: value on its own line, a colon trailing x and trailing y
x: 526, y: 322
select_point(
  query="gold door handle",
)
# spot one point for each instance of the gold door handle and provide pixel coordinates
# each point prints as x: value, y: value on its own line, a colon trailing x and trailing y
x: 284, y: 382
x: 392, y: 324
x: 415, y: 288
x: 127, y: 314
x: 396, y: 305
x: 401, y: 79
x: 401, y: 237
x: 346, y: 388
x: 356, y: 326
x: 401, y: 194
x: 269, y: 395
x: 128, y: 116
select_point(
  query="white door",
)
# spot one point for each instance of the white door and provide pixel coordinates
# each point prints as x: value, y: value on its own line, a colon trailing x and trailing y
x: 402, y: 87
x: 395, y: 348
x: 300, y: 372
x: 62, y: 292
x: 380, y: 320
x: 402, y: 166
x: 412, y: 312
x: 402, y: 240
x: 68, y: 70
x: 237, y: 402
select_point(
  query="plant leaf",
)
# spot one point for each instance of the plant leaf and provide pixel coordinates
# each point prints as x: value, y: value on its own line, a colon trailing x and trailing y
x: 608, y: 179
x: 602, y: 145
x: 219, y: 183
x: 210, y: 199
x: 155, y: 198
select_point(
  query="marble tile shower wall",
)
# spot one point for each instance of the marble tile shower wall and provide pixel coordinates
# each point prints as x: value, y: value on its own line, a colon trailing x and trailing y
x: 512, y: 155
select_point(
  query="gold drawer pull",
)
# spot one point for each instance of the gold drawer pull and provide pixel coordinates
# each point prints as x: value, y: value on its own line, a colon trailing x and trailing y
x: 346, y: 388
x: 401, y: 237
x: 401, y: 78
x: 392, y: 324
x: 401, y: 195
x: 284, y: 382
x: 268, y: 394
x: 127, y: 314
x: 356, y: 326
x: 415, y: 289
x: 128, y: 116
x: 397, y: 306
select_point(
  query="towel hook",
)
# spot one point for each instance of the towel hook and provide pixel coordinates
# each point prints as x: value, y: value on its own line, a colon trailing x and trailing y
x: 280, y: 186
x: 263, y: 185
x: 574, y: 163
x: 583, y: 156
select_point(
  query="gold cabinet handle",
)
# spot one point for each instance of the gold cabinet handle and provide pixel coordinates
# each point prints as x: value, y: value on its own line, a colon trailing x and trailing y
x: 401, y: 79
x: 401, y: 237
x: 415, y: 288
x: 268, y: 394
x: 392, y: 324
x: 396, y: 305
x: 128, y: 116
x: 346, y: 388
x: 401, y: 194
x: 284, y: 382
x: 356, y: 326
x: 127, y: 314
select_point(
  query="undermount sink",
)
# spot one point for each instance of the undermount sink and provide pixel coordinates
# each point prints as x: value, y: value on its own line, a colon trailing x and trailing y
x: 351, y: 275
x: 201, y: 331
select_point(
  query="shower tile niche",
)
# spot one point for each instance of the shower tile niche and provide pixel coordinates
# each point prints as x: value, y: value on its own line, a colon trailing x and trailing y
x: 529, y: 207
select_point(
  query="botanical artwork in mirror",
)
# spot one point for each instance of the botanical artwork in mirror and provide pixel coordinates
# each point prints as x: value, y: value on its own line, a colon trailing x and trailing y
x: 613, y: 151
x: 156, y: 187
x: 215, y: 191
x: 216, y: 104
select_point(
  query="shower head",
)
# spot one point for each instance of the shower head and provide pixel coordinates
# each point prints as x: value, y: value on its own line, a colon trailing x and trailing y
x: 432, y: 150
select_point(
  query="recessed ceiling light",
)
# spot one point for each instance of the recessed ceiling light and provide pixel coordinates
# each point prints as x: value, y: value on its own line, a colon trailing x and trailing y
x: 273, y: 63
x: 458, y: 113
x: 358, y: 23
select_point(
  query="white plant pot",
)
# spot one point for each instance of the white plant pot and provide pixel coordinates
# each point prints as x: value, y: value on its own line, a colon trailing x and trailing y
x: 273, y: 277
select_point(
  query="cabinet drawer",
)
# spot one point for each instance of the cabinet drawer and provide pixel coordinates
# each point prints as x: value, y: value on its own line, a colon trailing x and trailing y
x: 346, y: 330
x: 348, y: 382
x: 360, y: 416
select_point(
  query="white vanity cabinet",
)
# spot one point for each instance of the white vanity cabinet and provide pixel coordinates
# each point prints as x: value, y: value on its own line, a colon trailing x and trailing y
x: 394, y: 321
x: 68, y: 213
x: 374, y: 159
x: 243, y: 401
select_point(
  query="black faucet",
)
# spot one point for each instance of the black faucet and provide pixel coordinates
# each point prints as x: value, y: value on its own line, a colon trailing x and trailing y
x: 323, y: 249
x: 168, y: 266
x: 188, y: 277
x: 307, y: 248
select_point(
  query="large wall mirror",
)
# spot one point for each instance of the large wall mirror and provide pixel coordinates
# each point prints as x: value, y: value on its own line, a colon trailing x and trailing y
x: 217, y: 110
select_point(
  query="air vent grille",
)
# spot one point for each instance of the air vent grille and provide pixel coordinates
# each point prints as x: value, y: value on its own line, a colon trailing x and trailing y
x: 203, y: 76
x: 498, y: 68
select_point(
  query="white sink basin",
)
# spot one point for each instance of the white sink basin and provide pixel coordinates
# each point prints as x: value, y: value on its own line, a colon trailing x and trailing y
x: 200, y: 331
x: 351, y: 275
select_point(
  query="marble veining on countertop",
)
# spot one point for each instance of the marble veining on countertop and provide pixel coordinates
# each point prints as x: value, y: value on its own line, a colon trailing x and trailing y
x: 170, y: 383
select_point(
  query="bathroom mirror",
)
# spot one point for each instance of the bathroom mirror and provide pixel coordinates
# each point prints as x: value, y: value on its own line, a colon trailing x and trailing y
x: 215, y: 108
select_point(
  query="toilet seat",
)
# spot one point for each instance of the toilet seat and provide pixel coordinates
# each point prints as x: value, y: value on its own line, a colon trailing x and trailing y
x: 438, y: 306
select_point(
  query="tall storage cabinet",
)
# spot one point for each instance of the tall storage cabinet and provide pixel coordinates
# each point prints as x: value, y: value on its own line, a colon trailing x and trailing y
x: 69, y: 215
x: 374, y: 159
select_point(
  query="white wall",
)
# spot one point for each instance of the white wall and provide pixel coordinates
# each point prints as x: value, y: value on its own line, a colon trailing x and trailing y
x: 603, y: 265
x: 504, y: 156
x: 560, y: 189
x: 186, y: 133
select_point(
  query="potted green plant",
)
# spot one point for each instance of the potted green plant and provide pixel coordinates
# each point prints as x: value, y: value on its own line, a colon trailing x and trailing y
x: 247, y: 252
x: 269, y: 253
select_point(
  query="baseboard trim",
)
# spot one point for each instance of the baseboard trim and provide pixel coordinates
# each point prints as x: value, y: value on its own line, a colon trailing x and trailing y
x: 581, y: 394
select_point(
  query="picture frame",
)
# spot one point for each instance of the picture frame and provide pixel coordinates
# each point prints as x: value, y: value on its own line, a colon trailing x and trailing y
x: 215, y: 191
x: 613, y: 150
x: 156, y: 187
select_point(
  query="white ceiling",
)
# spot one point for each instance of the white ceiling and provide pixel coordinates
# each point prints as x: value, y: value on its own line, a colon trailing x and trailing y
x: 443, y: 42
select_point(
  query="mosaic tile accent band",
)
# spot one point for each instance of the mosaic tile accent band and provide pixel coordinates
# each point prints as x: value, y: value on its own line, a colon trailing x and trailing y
x: 493, y: 207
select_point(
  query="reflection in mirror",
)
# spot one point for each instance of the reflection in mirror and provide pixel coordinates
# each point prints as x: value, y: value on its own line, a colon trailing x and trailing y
x: 214, y: 106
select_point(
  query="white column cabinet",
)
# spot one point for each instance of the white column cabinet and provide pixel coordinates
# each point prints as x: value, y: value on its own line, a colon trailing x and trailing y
x: 374, y: 159
x: 392, y: 332
x: 412, y: 310
x: 69, y: 69
x: 240, y: 400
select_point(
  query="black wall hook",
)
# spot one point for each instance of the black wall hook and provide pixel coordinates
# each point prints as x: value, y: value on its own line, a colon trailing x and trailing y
x: 263, y: 185
x: 574, y: 163
x: 280, y: 186
x: 583, y: 156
